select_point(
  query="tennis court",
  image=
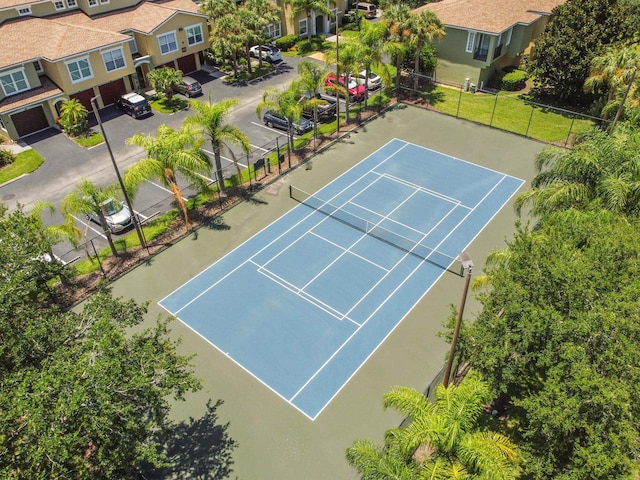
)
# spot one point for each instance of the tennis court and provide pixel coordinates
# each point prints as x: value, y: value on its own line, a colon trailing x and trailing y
x: 303, y: 304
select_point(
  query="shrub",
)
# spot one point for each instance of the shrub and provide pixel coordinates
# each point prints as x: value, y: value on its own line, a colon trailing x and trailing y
x: 515, y: 80
x: 304, y: 46
x: 6, y: 157
x: 287, y: 42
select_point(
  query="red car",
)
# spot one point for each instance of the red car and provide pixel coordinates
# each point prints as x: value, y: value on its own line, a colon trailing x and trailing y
x: 356, y: 92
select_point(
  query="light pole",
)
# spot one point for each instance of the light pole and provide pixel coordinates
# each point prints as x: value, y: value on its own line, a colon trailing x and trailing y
x: 624, y: 99
x: 467, y: 265
x: 134, y: 218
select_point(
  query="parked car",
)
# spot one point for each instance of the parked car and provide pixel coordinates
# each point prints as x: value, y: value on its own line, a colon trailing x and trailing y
x: 326, y: 111
x: 189, y: 87
x: 133, y: 104
x: 116, y: 213
x: 368, y: 9
x: 273, y: 120
x: 268, y: 52
x: 356, y: 92
x: 373, y: 82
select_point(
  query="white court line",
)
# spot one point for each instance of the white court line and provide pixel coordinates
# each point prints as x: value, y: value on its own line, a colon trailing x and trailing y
x: 275, y: 239
x: 381, y: 304
x: 352, y: 253
x: 418, y: 187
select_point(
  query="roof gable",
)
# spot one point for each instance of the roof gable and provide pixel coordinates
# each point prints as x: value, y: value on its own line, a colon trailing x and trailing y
x: 492, y: 16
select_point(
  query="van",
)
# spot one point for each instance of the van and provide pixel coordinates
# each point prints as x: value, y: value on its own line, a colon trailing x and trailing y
x: 368, y: 9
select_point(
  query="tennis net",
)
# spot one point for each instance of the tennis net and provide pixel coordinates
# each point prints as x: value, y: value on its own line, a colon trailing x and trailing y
x: 428, y: 254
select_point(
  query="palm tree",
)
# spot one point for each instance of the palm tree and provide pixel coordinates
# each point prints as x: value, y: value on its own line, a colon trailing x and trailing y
x: 214, y: 10
x: 265, y: 13
x: 441, y: 440
x: 209, y: 121
x: 612, y: 71
x: 164, y: 79
x: 88, y: 199
x: 426, y: 27
x: 284, y: 103
x: 312, y: 78
x: 169, y: 152
x: 398, y: 19
x: 306, y: 7
x: 371, y: 39
x: 74, y: 117
x: 347, y: 61
x: 601, y: 171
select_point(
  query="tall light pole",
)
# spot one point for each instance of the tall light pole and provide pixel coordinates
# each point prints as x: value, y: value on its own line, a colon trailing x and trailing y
x: 624, y: 99
x: 467, y: 265
x: 134, y: 218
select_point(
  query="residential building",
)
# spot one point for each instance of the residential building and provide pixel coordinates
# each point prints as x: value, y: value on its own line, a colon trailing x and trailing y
x: 483, y: 36
x: 319, y: 23
x: 54, y: 50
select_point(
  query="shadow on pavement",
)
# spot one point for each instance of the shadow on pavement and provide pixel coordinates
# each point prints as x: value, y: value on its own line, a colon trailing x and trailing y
x: 199, y: 449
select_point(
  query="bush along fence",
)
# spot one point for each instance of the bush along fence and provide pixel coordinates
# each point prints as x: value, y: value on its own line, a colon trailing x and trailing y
x: 507, y: 111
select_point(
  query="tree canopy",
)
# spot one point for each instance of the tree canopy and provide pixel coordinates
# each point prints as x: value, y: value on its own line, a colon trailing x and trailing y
x: 82, y: 396
x: 576, y: 33
x: 558, y: 335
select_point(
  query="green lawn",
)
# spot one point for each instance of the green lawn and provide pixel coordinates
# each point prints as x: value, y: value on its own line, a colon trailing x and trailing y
x: 166, y: 105
x: 26, y: 162
x: 507, y: 112
x: 91, y: 140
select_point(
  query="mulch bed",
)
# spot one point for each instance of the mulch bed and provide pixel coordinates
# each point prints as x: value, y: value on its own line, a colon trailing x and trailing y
x: 80, y: 287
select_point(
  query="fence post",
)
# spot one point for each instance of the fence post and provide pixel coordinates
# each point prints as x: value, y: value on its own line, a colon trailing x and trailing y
x: 526, y: 134
x: 459, y: 100
x: 494, y: 111
x: 573, y: 119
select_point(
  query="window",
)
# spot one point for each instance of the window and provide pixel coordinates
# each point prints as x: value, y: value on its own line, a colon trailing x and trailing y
x: 38, y: 66
x: 168, y: 42
x: 194, y: 34
x: 508, y: 40
x: 59, y: 5
x: 273, y: 30
x: 14, y: 82
x: 498, y: 50
x: 113, y: 59
x: 79, y: 69
x: 104, y: 2
x: 471, y: 37
x: 72, y: 3
x: 133, y: 46
x: 22, y: 11
x: 302, y: 27
x: 332, y: 20
x: 93, y: 3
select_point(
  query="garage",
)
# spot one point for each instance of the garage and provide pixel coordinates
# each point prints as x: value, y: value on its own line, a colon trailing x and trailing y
x: 30, y: 121
x: 112, y: 90
x: 84, y: 97
x: 187, y: 64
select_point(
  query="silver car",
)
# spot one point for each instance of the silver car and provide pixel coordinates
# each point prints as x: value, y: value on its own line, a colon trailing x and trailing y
x: 189, y: 87
x: 116, y: 213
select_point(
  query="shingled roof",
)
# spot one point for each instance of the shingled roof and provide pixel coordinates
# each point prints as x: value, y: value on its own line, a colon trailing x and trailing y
x: 72, y: 33
x: 491, y: 16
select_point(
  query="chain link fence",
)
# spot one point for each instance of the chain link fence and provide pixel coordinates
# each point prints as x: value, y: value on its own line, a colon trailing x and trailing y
x: 501, y: 110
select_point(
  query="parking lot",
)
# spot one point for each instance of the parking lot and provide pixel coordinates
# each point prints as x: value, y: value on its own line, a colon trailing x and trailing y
x: 66, y: 163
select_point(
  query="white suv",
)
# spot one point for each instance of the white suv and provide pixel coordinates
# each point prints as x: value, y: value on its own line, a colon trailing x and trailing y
x: 270, y: 53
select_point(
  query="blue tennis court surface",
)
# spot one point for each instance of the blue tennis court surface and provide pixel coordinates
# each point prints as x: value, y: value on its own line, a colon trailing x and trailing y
x: 331, y: 279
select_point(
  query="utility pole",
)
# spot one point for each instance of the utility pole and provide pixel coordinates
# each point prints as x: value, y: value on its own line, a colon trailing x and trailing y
x: 134, y: 218
x: 467, y: 264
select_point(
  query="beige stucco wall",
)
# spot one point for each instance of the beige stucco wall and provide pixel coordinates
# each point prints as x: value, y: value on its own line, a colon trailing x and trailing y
x: 30, y: 73
x: 49, y: 111
x: 106, y: 7
x: 148, y: 45
x: 59, y: 73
